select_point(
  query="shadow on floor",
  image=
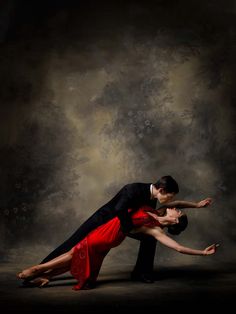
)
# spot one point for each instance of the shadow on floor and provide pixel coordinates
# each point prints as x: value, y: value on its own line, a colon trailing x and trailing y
x: 180, y: 287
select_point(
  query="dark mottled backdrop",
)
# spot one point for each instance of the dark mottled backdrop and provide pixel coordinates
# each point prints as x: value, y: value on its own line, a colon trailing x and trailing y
x: 97, y: 94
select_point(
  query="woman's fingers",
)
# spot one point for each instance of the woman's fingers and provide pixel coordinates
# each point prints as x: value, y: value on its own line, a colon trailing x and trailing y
x: 212, y: 248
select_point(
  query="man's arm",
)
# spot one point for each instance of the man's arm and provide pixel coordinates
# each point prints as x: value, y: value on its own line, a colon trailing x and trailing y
x: 129, y: 194
x: 121, y: 209
x: 186, y: 204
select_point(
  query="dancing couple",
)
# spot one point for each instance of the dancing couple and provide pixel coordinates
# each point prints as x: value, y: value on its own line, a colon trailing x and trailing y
x: 139, y: 210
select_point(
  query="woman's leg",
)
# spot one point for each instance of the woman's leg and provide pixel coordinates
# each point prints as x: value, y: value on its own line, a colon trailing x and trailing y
x: 55, y: 272
x: 62, y: 261
x: 44, y: 278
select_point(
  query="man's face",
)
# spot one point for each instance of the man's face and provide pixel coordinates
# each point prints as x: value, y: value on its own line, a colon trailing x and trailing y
x: 164, y: 197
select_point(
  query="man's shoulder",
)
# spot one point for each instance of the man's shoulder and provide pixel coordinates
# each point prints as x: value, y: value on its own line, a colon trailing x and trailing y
x: 136, y: 184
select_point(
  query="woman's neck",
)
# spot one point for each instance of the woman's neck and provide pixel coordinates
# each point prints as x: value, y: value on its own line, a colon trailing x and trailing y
x: 163, y: 221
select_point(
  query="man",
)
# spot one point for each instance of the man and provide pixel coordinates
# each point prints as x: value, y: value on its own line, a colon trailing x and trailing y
x: 131, y: 196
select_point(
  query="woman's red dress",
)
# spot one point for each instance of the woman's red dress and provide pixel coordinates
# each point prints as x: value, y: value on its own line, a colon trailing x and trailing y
x: 89, y: 253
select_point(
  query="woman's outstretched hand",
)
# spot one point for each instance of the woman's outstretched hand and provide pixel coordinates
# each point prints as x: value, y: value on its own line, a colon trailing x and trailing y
x: 211, y: 249
x: 204, y: 203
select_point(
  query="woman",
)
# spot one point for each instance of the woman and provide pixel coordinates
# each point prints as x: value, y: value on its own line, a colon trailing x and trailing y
x: 85, y: 259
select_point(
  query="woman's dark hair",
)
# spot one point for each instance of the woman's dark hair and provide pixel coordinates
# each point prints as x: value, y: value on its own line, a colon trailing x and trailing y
x: 180, y: 226
x: 168, y: 184
x: 177, y: 228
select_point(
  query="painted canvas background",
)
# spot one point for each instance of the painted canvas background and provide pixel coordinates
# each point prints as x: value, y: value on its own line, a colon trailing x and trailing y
x: 97, y: 94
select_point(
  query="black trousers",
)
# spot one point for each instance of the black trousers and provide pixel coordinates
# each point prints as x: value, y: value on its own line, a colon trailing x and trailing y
x: 90, y: 224
x: 146, y: 254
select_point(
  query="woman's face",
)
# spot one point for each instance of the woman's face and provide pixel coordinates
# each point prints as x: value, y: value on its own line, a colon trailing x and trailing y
x: 173, y: 215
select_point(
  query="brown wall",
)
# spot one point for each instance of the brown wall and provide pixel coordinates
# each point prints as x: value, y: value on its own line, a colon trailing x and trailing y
x: 95, y: 95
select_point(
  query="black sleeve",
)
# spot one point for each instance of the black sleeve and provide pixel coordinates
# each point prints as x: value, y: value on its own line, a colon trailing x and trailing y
x: 121, y: 209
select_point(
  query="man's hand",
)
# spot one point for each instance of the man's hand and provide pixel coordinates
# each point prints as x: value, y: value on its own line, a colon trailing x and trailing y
x: 204, y: 203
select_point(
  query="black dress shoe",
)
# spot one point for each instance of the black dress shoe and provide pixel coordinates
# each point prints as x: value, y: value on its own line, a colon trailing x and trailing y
x: 147, y: 278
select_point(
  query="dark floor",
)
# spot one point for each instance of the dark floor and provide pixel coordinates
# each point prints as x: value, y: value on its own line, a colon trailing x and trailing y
x: 181, y: 288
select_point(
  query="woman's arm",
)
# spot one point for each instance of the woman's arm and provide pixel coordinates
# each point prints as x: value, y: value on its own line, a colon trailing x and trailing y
x: 159, y: 235
x: 186, y: 204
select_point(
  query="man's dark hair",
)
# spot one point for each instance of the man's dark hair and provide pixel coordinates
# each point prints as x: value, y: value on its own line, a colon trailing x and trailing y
x: 180, y: 226
x: 168, y: 184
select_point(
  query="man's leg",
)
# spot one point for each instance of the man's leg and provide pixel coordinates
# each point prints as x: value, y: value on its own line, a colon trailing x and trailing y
x: 76, y: 237
x: 63, y: 248
x: 143, y: 270
x: 90, y: 224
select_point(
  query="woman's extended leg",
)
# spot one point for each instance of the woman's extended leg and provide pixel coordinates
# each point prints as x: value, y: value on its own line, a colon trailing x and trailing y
x: 62, y: 261
x: 45, y: 277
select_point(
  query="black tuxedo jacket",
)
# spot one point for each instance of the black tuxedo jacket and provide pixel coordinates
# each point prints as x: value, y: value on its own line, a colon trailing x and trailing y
x: 131, y: 196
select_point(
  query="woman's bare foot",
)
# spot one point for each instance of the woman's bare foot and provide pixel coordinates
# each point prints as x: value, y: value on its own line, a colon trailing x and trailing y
x: 37, y: 282
x: 29, y: 272
x: 40, y: 281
